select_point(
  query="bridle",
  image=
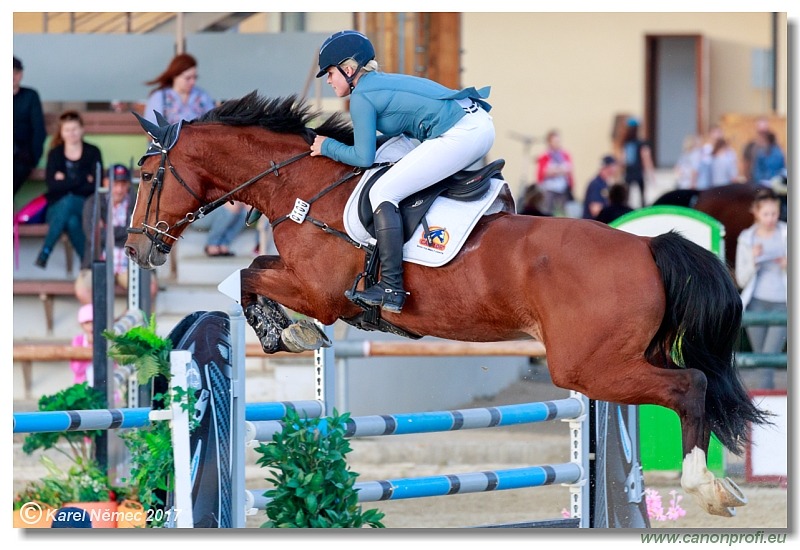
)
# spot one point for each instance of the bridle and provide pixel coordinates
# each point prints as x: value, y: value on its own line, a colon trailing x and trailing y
x: 158, y: 231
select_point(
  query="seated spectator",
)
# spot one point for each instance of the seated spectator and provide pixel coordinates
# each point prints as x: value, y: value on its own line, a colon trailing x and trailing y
x: 226, y: 224
x: 617, y: 204
x: 122, y: 204
x: 73, y: 166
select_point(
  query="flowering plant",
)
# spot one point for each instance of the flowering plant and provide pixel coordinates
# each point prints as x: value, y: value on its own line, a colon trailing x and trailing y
x: 82, y: 482
x: 655, y: 507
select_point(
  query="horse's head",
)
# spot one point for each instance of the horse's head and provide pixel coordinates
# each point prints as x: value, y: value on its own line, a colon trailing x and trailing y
x: 166, y: 202
x: 217, y: 158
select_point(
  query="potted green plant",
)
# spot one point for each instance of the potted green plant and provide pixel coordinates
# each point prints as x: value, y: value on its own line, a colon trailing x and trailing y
x: 313, y: 485
x: 82, y: 481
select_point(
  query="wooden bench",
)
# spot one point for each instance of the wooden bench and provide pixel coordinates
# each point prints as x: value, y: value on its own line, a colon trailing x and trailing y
x: 39, y: 230
x: 47, y: 290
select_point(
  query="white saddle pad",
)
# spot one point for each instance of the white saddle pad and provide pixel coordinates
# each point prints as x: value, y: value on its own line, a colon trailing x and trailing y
x: 449, y: 221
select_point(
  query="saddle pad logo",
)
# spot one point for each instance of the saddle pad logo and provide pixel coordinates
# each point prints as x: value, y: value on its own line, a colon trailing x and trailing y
x: 437, y: 238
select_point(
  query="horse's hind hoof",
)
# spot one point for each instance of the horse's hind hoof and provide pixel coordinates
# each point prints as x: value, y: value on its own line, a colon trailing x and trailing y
x: 304, y: 335
x: 718, y: 497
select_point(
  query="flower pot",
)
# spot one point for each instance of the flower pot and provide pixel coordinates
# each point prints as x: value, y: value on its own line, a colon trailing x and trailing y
x: 102, y: 514
x: 131, y: 515
x: 33, y: 515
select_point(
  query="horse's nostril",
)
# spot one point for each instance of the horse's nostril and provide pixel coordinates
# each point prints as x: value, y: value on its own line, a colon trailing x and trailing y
x: 130, y: 252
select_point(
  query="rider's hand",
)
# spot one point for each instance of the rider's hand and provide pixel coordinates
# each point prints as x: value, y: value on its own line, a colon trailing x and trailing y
x: 316, y: 147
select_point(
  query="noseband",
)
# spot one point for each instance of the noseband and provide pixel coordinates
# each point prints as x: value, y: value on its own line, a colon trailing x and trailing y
x: 160, y: 230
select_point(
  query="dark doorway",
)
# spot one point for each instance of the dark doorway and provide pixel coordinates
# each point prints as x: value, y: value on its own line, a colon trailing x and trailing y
x: 676, y: 93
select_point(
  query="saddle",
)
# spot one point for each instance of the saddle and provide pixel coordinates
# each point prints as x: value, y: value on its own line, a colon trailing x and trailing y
x: 463, y: 186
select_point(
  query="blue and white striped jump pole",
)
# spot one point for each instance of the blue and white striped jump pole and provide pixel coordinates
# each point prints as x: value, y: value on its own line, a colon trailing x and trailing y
x: 439, y: 421
x: 453, y: 484
x: 112, y: 419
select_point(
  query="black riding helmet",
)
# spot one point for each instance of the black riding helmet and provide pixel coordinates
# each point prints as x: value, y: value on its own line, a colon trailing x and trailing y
x: 340, y: 47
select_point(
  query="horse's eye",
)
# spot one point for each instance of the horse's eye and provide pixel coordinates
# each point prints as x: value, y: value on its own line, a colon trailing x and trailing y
x: 147, y: 176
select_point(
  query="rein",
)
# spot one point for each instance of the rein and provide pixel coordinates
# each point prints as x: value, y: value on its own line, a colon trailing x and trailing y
x: 160, y: 230
x: 299, y: 213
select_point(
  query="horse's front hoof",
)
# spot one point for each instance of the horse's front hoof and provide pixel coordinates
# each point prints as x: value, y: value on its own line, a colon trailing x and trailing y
x: 268, y: 334
x: 304, y: 335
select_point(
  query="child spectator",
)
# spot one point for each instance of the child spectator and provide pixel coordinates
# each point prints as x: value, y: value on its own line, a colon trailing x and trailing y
x: 83, y: 370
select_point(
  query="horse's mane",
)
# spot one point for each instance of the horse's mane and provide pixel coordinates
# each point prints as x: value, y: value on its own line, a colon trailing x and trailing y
x: 286, y: 115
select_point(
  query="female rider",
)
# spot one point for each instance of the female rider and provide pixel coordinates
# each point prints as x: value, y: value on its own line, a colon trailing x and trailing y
x: 453, y: 127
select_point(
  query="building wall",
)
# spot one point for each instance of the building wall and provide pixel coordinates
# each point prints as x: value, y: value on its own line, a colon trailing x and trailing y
x: 576, y: 71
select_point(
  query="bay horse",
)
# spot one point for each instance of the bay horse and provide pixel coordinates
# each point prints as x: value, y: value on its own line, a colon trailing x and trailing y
x: 624, y: 318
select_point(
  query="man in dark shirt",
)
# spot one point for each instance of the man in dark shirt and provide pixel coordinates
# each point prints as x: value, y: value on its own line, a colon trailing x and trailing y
x: 29, y: 129
x: 596, y: 197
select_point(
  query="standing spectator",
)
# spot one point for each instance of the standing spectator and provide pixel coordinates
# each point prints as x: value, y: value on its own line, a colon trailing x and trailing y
x: 121, y: 210
x: 72, y: 168
x: 637, y: 159
x: 761, y: 261
x: 769, y: 161
x: 176, y: 95
x: 29, y: 129
x: 687, y: 168
x: 749, y: 151
x: 597, y: 191
x: 724, y: 163
x: 617, y: 204
x: 554, y: 174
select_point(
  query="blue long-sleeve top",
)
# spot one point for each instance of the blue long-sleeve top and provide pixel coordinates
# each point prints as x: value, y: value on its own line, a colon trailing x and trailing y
x: 395, y: 104
x: 768, y: 164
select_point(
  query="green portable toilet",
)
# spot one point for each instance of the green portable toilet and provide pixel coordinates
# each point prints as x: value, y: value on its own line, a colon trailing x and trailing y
x: 659, y: 427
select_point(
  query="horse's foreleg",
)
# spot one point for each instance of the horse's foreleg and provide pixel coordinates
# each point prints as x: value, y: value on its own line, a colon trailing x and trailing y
x: 275, y: 330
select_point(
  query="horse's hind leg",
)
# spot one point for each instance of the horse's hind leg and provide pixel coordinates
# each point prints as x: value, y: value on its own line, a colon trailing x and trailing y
x: 636, y: 382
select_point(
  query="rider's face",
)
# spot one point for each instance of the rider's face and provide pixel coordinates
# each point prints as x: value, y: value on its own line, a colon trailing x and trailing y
x: 338, y: 82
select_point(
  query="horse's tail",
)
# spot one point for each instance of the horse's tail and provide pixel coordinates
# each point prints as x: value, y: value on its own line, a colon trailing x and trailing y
x: 701, y: 325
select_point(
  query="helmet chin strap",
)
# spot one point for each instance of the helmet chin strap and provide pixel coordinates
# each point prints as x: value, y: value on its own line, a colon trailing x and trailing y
x: 350, y: 79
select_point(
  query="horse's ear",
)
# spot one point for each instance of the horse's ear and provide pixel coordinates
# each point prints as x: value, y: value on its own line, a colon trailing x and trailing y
x: 160, y: 120
x: 148, y: 126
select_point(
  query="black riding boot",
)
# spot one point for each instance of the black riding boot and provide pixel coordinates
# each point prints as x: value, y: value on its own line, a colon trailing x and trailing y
x: 389, y: 292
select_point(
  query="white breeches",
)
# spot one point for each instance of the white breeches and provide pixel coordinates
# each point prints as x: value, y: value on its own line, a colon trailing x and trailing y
x: 435, y: 159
